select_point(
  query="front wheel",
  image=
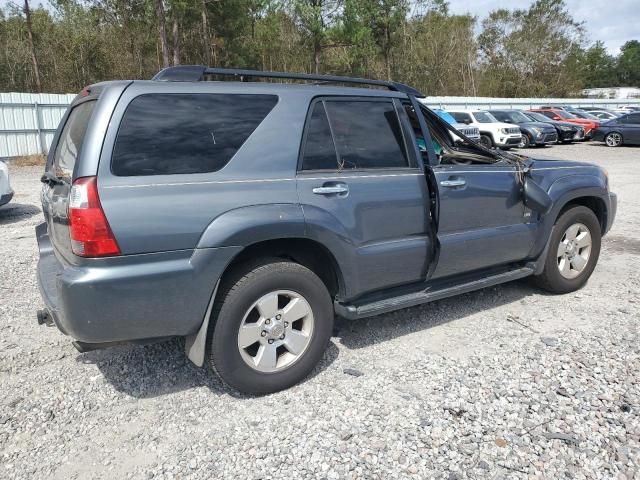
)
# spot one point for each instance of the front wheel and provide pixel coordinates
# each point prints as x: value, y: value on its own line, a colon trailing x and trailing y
x: 486, y: 141
x: 273, y: 321
x: 573, y: 251
x: 525, y: 141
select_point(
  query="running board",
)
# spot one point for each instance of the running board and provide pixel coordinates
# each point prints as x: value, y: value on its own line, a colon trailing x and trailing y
x: 430, y: 294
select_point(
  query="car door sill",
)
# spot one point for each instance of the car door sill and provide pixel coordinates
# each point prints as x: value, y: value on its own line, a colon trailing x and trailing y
x: 378, y: 307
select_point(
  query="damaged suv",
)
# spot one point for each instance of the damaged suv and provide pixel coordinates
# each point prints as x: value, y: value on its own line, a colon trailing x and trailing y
x: 244, y: 215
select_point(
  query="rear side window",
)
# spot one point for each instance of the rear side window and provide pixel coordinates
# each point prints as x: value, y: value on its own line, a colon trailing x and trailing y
x: 71, y: 138
x: 319, y: 150
x: 167, y: 134
x: 366, y: 134
x: 632, y: 118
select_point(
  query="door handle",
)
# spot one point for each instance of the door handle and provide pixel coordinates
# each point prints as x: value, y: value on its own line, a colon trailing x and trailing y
x: 453, y: 183
x: 331, y: 190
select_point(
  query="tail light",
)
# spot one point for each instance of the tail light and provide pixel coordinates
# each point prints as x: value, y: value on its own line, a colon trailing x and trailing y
x: 90, y: 233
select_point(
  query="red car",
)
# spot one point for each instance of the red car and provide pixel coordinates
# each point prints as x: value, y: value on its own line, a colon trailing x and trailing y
x: 564, y: 116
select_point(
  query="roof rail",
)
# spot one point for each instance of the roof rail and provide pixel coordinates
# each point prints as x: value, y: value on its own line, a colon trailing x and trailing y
x: 195, y: 73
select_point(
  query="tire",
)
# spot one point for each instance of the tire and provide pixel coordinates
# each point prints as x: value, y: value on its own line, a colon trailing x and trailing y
x: 246, y: 300
x: 486, y: 140
x: 558, y: 258
x: 613, y: 139
x: 526, y: 141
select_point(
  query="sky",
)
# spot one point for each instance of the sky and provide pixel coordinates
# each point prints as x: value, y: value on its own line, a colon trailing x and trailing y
x: 612, y: 21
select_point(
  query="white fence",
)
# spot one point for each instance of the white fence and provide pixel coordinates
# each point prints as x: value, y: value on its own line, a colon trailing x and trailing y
x: 28, y: 121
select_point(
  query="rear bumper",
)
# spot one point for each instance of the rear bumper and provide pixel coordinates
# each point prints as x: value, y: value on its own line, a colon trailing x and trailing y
x: 6, y: 198
x: 131, y: 297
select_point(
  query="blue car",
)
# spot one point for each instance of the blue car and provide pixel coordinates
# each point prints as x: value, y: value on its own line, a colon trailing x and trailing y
x: 624, y: 130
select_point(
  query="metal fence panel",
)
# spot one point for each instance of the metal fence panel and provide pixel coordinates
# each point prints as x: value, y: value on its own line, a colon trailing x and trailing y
x: 28, y: 121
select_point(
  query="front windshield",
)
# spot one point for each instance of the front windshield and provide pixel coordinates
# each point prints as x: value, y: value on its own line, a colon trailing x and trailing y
x: 538, y: 117
x: 485, y: 117
x: 512, y: 116
x: 586, y: 115
x: 564, y: 114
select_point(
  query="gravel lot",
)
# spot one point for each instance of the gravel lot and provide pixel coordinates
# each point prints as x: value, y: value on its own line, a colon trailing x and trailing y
x: 507, y: 382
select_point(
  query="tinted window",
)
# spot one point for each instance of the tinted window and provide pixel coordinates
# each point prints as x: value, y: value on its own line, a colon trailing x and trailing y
x: 632, y: 118
x: 461, y: 117
x: 71, y: 139
x: 319, y: 150
x: 367, y: 134
x: 162, y: 134
x: 548, y: 114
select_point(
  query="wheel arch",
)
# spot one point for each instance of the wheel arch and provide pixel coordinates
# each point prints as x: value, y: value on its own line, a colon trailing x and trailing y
x: 305, y: 251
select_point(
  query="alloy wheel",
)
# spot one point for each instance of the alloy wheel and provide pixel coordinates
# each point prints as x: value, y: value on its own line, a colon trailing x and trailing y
x: 275, y: 331
x: 574, y: 251
x: 613, y: 139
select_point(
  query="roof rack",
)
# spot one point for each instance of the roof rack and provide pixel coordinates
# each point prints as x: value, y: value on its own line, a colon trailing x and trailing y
x: 195, y: 73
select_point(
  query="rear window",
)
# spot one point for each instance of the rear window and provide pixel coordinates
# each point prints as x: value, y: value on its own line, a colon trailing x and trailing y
x: 168, y: 134
x: 71, y: 138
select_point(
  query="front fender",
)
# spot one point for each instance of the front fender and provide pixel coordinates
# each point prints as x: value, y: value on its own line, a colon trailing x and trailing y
x: 564, y: 190
x: 248, y: 225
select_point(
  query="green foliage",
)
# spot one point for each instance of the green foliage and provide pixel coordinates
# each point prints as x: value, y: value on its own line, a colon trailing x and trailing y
x: 539, y: 50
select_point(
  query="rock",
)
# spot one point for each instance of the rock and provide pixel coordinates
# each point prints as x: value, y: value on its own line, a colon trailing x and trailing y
x: 561, y: 436
x: 483, y: 465
x: 549, y: 341
x: 353, y: 372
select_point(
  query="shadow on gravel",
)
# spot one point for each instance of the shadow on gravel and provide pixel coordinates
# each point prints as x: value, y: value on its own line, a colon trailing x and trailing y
x: 369, y: 331
x: 14, y: 212
x: 146, y: 371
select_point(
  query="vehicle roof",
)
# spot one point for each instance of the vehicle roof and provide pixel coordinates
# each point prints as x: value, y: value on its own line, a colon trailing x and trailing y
x: 273, y: 88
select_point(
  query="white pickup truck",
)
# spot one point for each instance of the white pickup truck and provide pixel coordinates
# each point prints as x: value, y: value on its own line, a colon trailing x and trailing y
x: 5, y: 188
x: 492, y: 132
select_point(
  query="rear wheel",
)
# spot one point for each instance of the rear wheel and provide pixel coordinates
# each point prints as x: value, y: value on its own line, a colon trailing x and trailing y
x: 573, y: 251
x: 613, y: 139
x: 273, y: 321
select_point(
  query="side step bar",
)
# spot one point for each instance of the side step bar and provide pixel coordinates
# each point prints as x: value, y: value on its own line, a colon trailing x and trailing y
x: 379, y: 307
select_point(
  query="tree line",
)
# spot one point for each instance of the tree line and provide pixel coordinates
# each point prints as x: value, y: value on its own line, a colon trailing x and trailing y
x: 535, y: 51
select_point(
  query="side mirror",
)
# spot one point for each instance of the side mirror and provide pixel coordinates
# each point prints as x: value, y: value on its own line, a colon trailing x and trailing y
x: 556, y: 117
x: 535, y: 197
x: 467, y: 121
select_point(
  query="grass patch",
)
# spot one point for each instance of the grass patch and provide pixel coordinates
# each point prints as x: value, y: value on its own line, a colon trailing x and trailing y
x: 38, y: 160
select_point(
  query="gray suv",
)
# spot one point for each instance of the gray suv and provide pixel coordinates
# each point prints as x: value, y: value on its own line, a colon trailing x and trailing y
x: 243, y: 216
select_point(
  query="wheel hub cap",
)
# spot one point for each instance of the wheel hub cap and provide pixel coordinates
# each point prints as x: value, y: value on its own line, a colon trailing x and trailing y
x: 275, y: 331
x: 574, y: 251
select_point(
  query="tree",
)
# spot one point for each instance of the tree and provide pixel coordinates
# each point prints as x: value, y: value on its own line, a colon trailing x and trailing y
x: 598, y: 68
x: 162, y: 32
x: 629, y: 64
x: 529, y: 52
x: 34, y: 59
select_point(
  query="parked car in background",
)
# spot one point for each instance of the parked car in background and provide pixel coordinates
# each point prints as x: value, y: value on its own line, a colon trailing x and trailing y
x: 564, y: 116
x: 567, y: 132
x: 244, y: 216
x: 493, y: 133
x: 603, y: 115
x: 469, y: 131
x: 624, y: 130
x: 534, y: 134
x: 6, y: 192
x: 584, y: 115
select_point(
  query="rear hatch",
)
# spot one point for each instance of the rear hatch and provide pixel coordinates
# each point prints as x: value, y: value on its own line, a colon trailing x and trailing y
x: 59, y: 174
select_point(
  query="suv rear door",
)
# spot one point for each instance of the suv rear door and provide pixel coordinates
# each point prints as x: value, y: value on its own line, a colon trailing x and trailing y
x: 357, y: 177
x: 59, y: 173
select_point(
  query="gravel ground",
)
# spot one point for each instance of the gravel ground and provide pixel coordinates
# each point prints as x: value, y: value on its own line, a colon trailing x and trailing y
x: 507, y: 382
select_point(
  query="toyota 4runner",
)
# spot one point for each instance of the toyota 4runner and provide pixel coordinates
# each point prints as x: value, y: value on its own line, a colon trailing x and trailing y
x: 243, y: 216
